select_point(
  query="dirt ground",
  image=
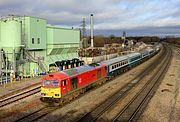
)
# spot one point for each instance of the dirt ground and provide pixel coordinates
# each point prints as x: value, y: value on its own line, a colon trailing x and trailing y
x: 165, y: 104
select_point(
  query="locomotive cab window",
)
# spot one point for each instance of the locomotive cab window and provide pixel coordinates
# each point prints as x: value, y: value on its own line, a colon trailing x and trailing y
x: 46, y: 83
x: 63, y: 83
x: 55, y: 83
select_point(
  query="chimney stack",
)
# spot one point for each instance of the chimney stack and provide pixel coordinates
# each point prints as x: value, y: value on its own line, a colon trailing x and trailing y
x: 92, y: 29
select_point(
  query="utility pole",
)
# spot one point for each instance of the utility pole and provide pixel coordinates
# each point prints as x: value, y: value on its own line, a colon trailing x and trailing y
x: 83, y: 33
x: 83, y: 28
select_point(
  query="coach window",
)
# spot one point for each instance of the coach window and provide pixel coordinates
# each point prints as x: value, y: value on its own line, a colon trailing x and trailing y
x: 112, y: 67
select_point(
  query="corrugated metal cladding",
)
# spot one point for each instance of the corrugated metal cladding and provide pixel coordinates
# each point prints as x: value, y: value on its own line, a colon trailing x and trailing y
x: 44, y: 42
x: 61, y: 40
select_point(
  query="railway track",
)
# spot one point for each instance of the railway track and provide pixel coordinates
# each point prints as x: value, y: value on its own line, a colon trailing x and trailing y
x: 36, y: 115
x: 111, y: 101
x: 178, y: 50
x: 19, y: 95
x: 134, y: 108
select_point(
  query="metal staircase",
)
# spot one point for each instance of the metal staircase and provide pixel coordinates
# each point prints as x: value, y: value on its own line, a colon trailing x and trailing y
x: 32, y: 59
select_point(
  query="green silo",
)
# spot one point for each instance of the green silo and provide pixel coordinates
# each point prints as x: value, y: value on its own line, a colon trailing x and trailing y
x: 10, y: 31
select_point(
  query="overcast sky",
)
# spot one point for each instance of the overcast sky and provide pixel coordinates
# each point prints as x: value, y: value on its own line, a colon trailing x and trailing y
x: 137, y: 17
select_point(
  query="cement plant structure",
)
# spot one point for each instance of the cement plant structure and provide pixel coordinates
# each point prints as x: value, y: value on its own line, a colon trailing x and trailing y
x: 28, y: 45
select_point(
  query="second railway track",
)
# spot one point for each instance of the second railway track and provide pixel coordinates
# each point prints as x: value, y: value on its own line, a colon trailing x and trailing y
x: 19, y: 96
x: 36, y: 115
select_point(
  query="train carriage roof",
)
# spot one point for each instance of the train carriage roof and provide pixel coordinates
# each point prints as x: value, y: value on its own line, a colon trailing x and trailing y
x: 133, y: 55
x: 151, y: 49
x: 114, y: 60
x: 147, y: 50
x: 121, y: 58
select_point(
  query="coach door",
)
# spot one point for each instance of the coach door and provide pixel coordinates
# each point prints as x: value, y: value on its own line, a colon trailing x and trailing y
x: 99, y: 74
x: 74, y: 83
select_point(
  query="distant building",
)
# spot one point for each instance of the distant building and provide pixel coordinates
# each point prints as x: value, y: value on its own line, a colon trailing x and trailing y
x: 35, y: 44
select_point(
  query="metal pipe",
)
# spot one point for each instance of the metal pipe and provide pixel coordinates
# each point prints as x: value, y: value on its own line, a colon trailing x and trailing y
x: 14, y: 61
x: 1, y: 66
x: 91, y: 25
x: 6, y: 67
x: 0, y: 62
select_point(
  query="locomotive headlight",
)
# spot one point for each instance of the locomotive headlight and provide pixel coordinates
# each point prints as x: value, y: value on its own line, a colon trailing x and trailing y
x: 43, y: 94
x: 56, y: 94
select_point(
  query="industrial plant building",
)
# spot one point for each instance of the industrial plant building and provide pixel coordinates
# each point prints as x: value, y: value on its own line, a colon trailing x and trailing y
x: 28, y: 45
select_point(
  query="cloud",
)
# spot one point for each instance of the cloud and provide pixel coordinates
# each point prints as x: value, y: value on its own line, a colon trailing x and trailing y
x: 108, y: 14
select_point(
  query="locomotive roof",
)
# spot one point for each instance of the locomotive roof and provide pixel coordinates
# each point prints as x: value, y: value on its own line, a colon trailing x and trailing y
x: 114, y: 60
x: 55, y: 75
x: 81, y: 69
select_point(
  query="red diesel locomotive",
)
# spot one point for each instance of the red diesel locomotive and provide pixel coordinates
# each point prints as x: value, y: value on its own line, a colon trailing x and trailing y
x: 68, y: 84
